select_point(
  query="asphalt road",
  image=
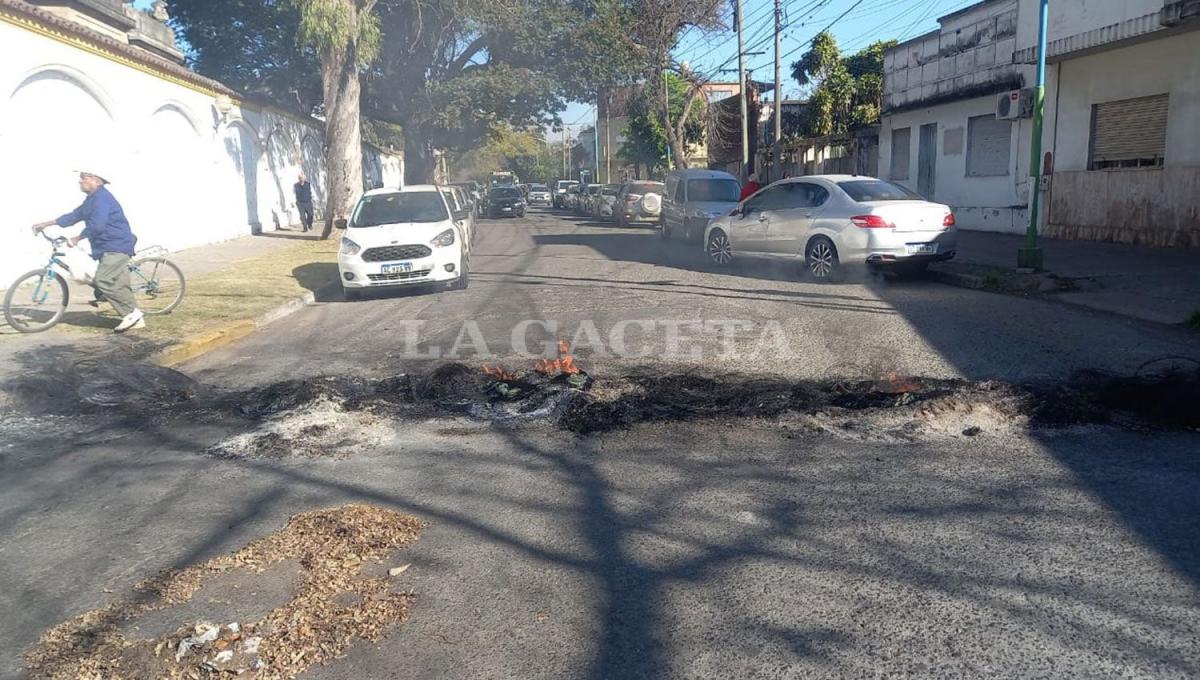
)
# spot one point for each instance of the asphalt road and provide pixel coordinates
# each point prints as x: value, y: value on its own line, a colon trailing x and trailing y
x: 701, y: 549
x: 597, y: 281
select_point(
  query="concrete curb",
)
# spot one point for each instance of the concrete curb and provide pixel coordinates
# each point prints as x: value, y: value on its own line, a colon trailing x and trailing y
x: 198, y: 345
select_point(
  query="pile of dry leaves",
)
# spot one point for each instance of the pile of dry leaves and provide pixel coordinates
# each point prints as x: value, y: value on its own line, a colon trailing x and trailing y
x: 334, y: 602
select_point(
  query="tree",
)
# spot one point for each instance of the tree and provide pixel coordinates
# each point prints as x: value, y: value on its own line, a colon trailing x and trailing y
x: 656, y: 29
x: 847, y: 91
x: 522, y: 152
x: 453, y: 71
x: 251, y: 46
x: 345, y: 35
x: 647, y: 135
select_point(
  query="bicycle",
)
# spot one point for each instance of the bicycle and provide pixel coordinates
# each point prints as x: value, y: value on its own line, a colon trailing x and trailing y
x: 38, y: 299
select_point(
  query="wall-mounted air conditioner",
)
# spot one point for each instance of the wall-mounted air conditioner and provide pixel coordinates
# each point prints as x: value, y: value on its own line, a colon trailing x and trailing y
x: 1015, y: 104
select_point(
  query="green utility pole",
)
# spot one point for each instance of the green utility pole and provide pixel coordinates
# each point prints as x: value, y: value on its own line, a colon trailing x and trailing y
x: 1030, y: 257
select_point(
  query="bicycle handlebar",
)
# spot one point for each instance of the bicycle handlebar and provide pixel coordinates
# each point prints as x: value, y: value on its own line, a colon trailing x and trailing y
x: 56, y: 240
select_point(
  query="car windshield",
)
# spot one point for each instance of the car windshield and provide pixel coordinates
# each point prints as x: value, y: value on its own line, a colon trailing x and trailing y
x: 538, y: 187
x: 646, y: 188
x: 877, y: 190
x: 610, y: 190
x: 505, y: 192
x: 398, y: 208
x: 713, y: 190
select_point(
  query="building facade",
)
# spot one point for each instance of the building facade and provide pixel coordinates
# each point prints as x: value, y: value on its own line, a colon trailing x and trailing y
x: 1121, y: 126
x: 191, y: 161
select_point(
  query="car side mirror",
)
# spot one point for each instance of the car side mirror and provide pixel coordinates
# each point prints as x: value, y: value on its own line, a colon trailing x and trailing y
x: 340, y: 223
x: 461, y: 214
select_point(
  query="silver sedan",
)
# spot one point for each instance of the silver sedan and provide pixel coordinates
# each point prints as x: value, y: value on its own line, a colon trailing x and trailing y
x: 826, y: 221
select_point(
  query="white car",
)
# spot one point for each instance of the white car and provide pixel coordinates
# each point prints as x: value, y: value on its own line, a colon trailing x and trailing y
x: 403, y: 237
x: 462, y: 211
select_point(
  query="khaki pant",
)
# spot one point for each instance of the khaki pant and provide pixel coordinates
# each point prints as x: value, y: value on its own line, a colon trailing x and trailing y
x: 112, y: 279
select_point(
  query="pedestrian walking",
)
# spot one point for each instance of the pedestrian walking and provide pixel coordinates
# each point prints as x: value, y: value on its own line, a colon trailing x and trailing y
x: 750, y: 188
x: 112, y: 241
x: 304, y: 201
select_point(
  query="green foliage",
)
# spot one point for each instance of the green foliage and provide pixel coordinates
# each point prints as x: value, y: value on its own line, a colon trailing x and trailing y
x: 328, y: 25
x: 847, y: 91
x: 523, y: 152
x: 251, y: 45
x: 646, y: 136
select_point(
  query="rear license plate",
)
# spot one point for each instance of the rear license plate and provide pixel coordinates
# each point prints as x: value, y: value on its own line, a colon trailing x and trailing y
x: 921, y: 248
x: 507, y: 208
x: 397, y: 268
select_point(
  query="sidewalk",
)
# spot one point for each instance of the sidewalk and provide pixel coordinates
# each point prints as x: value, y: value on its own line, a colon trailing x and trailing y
x: 234, y: 281
x: 1155, y: 284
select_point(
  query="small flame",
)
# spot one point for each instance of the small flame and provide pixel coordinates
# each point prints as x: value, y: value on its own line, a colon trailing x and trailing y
x: 565, y: 364
x: 897, y: 384
x: 499, y: 373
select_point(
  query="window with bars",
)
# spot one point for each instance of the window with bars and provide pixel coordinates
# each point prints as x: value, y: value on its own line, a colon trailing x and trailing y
x: 1129, y: 133
x: 901, y: 148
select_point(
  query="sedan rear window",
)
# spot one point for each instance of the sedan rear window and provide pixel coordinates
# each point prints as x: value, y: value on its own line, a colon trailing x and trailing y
x: 877, y: 190
x: 505, y: 192
x: 416, y: 206
x: 713, y: 190
x: 538, y: 187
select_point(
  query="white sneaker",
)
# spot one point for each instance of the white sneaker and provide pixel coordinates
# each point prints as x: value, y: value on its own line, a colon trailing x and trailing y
x: 134, y: 319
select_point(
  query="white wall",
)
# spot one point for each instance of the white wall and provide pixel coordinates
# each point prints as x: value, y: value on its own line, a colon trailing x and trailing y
x: 184, y: 176
x: 995, y: 203
x: 1166, y: 65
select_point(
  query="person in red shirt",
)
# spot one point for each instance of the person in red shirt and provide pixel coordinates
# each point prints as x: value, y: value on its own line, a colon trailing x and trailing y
x: 750, y: 188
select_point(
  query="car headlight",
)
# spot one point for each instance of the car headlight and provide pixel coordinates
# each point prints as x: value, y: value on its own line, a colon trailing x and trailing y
x: 446, y: 238
x: 350, y: 247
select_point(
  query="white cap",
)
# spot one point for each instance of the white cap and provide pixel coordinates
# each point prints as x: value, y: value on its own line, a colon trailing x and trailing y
x: 94, y: 173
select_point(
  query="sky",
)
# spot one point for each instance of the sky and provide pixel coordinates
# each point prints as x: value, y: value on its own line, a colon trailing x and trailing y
x: 864, y: 22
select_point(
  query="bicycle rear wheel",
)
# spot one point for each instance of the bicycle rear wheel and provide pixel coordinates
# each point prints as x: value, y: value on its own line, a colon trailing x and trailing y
x: 36, y: 301
x: 157, y: 283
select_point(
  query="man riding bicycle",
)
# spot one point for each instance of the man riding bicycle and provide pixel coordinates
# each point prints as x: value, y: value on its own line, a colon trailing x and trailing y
x: 112, y: 241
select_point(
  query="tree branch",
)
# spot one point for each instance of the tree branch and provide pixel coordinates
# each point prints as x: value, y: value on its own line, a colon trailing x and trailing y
x: 463, y: 59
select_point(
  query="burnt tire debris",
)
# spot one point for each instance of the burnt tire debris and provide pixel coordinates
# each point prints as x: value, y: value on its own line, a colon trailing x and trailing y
x: 593, y: 404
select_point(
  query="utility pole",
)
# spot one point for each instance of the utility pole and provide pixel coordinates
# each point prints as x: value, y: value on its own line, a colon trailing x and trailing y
x: 566, y: 172
x: 777, y: 147
x: 1030, y: 257
x: 745, y: 173
x: 608, y: 139
x: 596, y: 141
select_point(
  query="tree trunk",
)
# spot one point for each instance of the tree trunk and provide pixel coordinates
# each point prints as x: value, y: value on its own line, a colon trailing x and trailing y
x: 419, y: 161
x: 343, y: 128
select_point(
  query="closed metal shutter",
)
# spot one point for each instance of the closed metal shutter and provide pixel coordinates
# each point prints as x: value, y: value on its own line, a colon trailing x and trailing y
x: 901, y: 147
x: 1129, y: 133
x: 989, y: 146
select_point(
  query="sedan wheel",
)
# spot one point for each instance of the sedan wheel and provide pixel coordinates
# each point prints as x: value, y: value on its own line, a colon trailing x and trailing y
x: 821, y: 259
x: 720, y: 250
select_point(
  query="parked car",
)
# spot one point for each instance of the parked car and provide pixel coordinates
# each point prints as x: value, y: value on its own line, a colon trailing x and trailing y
x: 539, y: 194
x: 474, y: 192
x: 586, y: 197
x: 639, y: 201
x: 693, y: 197
x: 827, y: 221
x: 401, y: 237
x: 572, y: 197
x: 602, y: 204
x: 560, y: 192
x: 505, y: 201
x: 456, y: 198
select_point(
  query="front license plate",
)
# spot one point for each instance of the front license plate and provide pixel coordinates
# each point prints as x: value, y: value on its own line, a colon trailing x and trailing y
x: 921, y: 248
x: 507, y: 209
x: 397, y: 268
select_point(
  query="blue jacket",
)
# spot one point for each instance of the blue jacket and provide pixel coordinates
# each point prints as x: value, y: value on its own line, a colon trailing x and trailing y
x: 106, y: 227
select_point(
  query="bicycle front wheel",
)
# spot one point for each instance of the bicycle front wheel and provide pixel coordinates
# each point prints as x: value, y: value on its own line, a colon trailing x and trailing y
x: 36, y: 301
x: 157, y: 284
